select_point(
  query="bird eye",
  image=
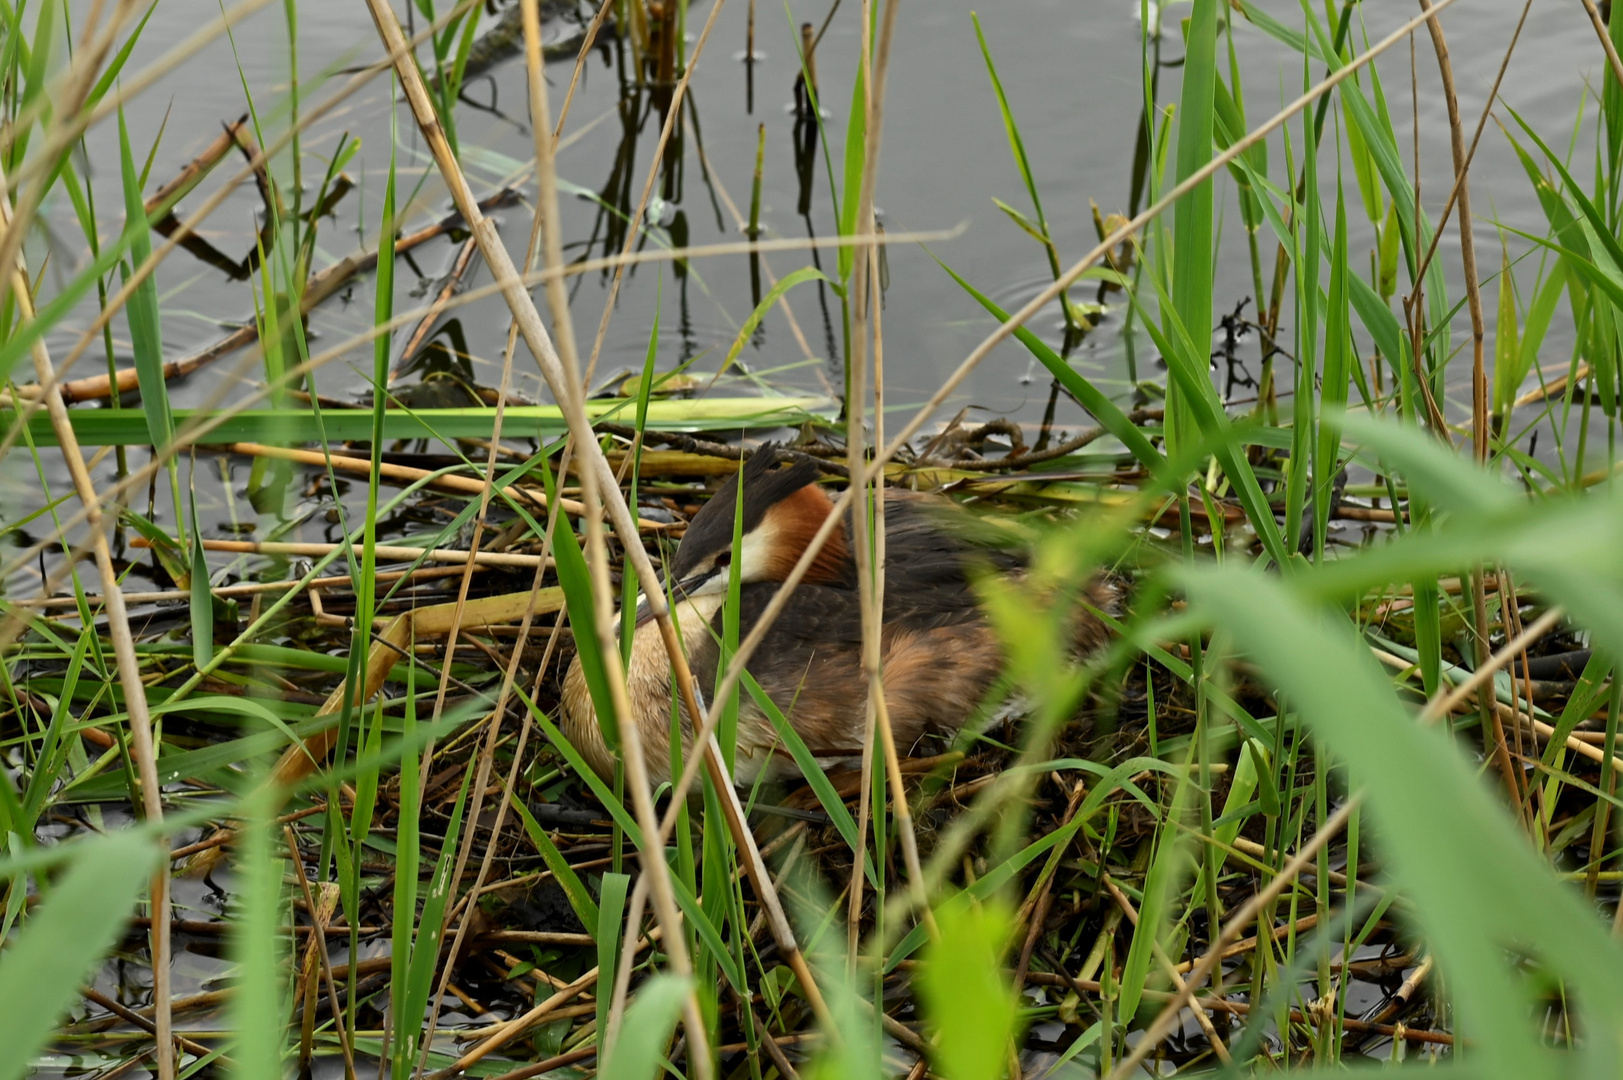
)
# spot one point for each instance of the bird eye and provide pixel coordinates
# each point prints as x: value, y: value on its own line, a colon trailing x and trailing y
x: 724, y: 560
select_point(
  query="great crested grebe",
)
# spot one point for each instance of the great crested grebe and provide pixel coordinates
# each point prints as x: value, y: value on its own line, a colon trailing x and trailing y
x: 938, y: 652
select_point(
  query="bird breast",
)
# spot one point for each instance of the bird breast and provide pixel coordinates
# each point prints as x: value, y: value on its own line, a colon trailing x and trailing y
x: 648, y: 686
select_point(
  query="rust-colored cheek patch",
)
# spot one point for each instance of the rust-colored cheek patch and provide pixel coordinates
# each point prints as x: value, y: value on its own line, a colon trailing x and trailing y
x: 794, y: 522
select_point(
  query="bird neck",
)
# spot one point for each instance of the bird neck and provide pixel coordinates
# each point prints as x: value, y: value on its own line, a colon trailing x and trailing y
x: 793, y: 523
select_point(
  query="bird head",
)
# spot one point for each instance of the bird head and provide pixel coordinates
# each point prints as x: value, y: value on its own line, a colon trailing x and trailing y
x: 782, y: 508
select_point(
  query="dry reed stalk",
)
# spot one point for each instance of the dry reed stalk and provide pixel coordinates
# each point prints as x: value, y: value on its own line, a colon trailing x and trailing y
x: 465, y: 485
x: 1162, y: 1026
x: 593, y: 483
x: 544, y: 222
x: 634, y: 227
x: 1470, y: 155
x: 1170, y: 969
x: 246, y: 588
x: 1574, y: 740
x: 118, y: 628
x: 1482, y: 677
x: 193, y: 172
x: 580, y: 63
x: 385, y: 552
x: 317, y: 950
x: 130, y: 1016
x: 570, y: 396
x: 1473, y: 290
x: 1605, y: 40
x: 747, y: 647
x: 1480, y: 405
x: 869, y: 575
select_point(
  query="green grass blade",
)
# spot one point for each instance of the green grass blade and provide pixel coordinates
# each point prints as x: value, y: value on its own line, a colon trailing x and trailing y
x: 1087, y: 395
x: 611, y: 913
x: 105, y: 427
x: 805, y: 273
x: 257, y: 1010
x: 41, y: 971
x: 579, y: 898
x: 1193, y: 214
x: 1476, y: 884
x: 142, y: 309
x: 639, y: 1051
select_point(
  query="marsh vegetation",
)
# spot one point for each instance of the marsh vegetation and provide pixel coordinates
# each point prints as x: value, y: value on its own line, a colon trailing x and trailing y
x: 341, y: 420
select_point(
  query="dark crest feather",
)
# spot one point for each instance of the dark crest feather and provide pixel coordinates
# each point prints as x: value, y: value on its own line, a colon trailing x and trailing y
x: 711, y: 529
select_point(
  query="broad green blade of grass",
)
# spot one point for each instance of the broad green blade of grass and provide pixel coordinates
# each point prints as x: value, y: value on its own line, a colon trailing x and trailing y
x: 1039, y: 229
x: 810, y: 768
x: 408, y: 863
x: 850, y: 194
x: 1307, y: 237
x: 1339, y: 360
x: 1476, y: 884
x: 1191, y: 282
x: 142, y: 309
x: 257, y: 1009
x: 966, y: 995
x: 412, y: 996
x: 1190, y: 368
x: 576, y: 581
x: 64, y: 940
x: 104, y: 427
x: 580, y: 899
x: 639, y: 1051
x: 789, y: 281
x: 609, y: 931
x: 382, y: 345
x: 629, y: 585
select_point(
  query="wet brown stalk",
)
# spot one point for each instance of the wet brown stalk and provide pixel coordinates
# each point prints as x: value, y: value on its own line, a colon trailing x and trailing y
x: 317, y: 948
x: 419, y: 336
x: 673, y: 112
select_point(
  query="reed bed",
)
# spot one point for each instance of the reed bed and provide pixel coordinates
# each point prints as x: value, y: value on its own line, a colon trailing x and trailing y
x: 1342, y: 788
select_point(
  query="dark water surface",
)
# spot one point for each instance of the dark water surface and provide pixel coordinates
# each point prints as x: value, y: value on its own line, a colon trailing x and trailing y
x: 1072, y: 73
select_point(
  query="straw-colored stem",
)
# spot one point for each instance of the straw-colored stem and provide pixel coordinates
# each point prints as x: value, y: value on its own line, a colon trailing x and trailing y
x: 1247, y: 913
x: 602, y: 482
x: 1605, y: 40
x: 385, y: 552
x: 118, y: 627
